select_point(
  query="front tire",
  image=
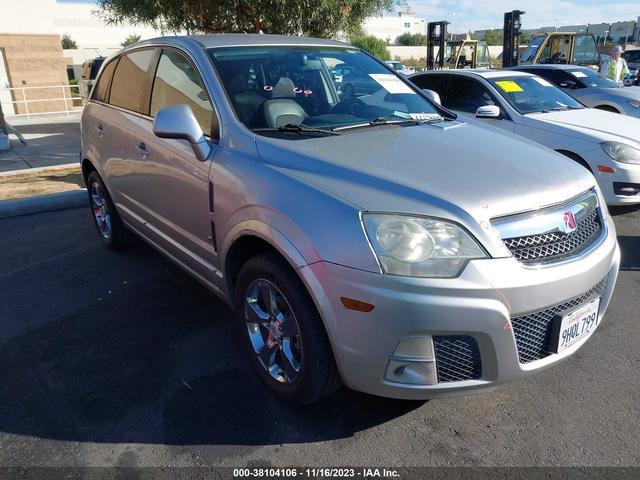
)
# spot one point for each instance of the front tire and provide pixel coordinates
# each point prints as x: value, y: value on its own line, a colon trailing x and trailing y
x: 283, y: 332
x: 107, y: 220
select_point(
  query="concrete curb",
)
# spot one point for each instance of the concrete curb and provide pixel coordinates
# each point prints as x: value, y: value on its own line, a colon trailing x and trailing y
x: 43, y: 203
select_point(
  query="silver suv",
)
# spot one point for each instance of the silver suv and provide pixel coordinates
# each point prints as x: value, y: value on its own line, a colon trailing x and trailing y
x: 363, y: 237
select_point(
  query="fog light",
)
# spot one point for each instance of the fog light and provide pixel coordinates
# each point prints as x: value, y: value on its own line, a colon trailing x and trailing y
x: 415, y: 373
x: 413, y: 361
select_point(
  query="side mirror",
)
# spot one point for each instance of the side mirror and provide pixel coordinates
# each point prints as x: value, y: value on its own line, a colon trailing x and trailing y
x: 569, y: 84
x: 433, y: 96
x: 178, y: 121
x: 488, y: 111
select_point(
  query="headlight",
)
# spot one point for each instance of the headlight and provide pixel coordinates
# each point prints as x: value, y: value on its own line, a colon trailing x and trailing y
x: 634, y: 103
x: 621, y: 152
x: 419, y: 246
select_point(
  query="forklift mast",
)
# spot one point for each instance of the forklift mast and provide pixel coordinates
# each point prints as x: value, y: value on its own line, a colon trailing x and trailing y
x: 511, y: 41
x: 436, y: 35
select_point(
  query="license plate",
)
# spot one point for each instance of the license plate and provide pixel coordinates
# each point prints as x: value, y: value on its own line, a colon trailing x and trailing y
x: 574, y: 326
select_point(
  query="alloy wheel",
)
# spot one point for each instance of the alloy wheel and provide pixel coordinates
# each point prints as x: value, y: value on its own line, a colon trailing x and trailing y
x: 273, y: 331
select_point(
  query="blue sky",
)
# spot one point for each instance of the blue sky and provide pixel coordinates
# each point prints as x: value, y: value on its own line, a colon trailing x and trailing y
x: 475, y: 14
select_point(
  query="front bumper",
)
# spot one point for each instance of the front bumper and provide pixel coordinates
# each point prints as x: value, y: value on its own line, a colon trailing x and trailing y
x: 480, y: 303
x: 625, y: 173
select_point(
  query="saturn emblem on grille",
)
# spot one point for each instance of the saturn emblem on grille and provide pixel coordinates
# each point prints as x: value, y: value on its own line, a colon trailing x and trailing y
x: 569, y: 222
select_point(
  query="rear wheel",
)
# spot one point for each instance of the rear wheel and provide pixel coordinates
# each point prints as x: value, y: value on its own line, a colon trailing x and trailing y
x: 282, y: 331
x: 107, y: 220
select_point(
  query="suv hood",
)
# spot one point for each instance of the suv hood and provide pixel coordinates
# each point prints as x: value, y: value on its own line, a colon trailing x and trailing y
x: 588, y: 124
x: 451, y: 169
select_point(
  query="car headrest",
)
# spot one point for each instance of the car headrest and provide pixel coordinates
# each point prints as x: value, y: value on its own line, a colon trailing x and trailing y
x: 283, y: 89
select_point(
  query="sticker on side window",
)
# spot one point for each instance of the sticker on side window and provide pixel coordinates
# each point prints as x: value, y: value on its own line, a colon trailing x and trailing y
x: 391, y: 83
x: 542, y: 82
x: 509, y: 86
x: 578, y: 74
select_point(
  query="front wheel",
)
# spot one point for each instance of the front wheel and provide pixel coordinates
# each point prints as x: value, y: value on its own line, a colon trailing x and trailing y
x: 282, y: 331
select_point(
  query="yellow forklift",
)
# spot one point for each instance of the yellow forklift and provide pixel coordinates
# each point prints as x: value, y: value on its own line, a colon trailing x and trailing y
x: 453, y: 54
x: 562, y: 48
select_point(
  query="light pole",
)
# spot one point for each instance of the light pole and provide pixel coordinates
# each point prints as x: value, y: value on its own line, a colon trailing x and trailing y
x: 604, y: 40
x: 453, y: 20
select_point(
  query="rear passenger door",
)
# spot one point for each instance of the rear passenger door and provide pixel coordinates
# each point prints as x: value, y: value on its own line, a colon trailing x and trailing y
x: 174, y: 187
x: 117, y: 128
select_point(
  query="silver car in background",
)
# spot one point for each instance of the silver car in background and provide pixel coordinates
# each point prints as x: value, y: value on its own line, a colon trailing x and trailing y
x: 373, y: 241
x: 591, y: 88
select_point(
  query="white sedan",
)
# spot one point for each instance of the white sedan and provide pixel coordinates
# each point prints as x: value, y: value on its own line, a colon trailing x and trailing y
x: 606, y: 143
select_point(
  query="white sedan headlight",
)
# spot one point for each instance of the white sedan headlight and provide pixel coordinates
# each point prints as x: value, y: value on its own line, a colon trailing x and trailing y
x: 419, y: 246
x: 621, y: 152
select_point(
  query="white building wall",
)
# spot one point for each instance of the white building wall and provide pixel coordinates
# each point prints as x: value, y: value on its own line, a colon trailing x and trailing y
x: 75, y: 19
x: 390, y: 28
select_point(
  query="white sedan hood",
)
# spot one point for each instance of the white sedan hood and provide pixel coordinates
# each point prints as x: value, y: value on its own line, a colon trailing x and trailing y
x: 589, y: 124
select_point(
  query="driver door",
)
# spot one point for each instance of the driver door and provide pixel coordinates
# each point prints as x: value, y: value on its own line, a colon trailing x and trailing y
x: 174, y: 185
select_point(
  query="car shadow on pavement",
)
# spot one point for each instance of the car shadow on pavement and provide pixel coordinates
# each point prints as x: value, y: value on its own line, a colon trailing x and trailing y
x: 153, y: 360
x: 630, y: 252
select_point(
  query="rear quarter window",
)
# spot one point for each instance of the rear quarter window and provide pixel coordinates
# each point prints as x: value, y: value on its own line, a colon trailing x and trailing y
x: 101, y: 89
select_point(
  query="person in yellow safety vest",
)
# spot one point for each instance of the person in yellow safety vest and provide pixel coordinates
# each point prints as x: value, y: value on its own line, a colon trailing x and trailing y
x: 616, y: 68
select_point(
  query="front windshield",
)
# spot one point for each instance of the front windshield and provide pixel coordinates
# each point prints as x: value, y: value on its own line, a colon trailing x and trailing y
x: 589, y: 78
x: 530, y: 94
x: 271, y: 87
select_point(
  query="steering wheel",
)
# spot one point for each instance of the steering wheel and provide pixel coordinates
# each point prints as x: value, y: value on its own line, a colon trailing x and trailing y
x: 348, y: 106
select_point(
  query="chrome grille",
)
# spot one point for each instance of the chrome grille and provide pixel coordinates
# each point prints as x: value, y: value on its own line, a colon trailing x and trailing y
x: 556, y: 245
x: 533, y: 330
x: 457, y: 358
x: 554, y: 233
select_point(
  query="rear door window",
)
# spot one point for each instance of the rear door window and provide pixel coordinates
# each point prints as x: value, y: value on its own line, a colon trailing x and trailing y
x: 178, y: 82
x: 437, y: 83
x: 130, y: 80
x: 101, y: 89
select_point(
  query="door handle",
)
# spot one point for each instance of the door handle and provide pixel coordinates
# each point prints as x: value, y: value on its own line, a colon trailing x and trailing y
x: 142, y: 150
x: 100, y: 130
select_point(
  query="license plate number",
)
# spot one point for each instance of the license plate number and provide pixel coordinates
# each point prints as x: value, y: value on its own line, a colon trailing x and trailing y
x: 575, y: 326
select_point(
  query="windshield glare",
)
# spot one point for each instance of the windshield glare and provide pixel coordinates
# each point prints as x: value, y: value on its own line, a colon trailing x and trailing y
x: 320, y: 87
x: 589, y: 78
x: 529, y: 94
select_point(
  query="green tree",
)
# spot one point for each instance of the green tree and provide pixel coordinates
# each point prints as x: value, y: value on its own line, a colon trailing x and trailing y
x: 494, y: 37
x: 130, y: 40
x: 319, y: 18
x: 412, y: 39
x: 524, y: 38
x: 373, y: 45
x: 68, y: 42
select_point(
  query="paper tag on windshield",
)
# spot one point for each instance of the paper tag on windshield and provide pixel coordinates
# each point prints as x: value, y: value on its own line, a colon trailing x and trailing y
x: 424, y: 116
x: 391, y: 83
x: 578, y: 74
x: 542, y: 82
x: 509, y: 86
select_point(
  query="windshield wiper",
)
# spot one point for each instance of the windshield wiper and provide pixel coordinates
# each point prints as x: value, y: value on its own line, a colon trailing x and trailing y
x: 386, y: 121
x: 296, y: 128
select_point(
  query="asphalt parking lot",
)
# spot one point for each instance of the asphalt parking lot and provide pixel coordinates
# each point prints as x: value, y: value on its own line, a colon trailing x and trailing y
x: 122, y: 359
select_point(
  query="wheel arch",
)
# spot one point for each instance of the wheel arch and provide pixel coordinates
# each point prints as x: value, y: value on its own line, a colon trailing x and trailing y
x: 607, y: 108
x: 252, y: 238
x: 576, y: 158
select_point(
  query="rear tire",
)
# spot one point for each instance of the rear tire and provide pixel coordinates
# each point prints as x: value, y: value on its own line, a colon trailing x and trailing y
x: 283, y: 332
x: 108, y: 223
